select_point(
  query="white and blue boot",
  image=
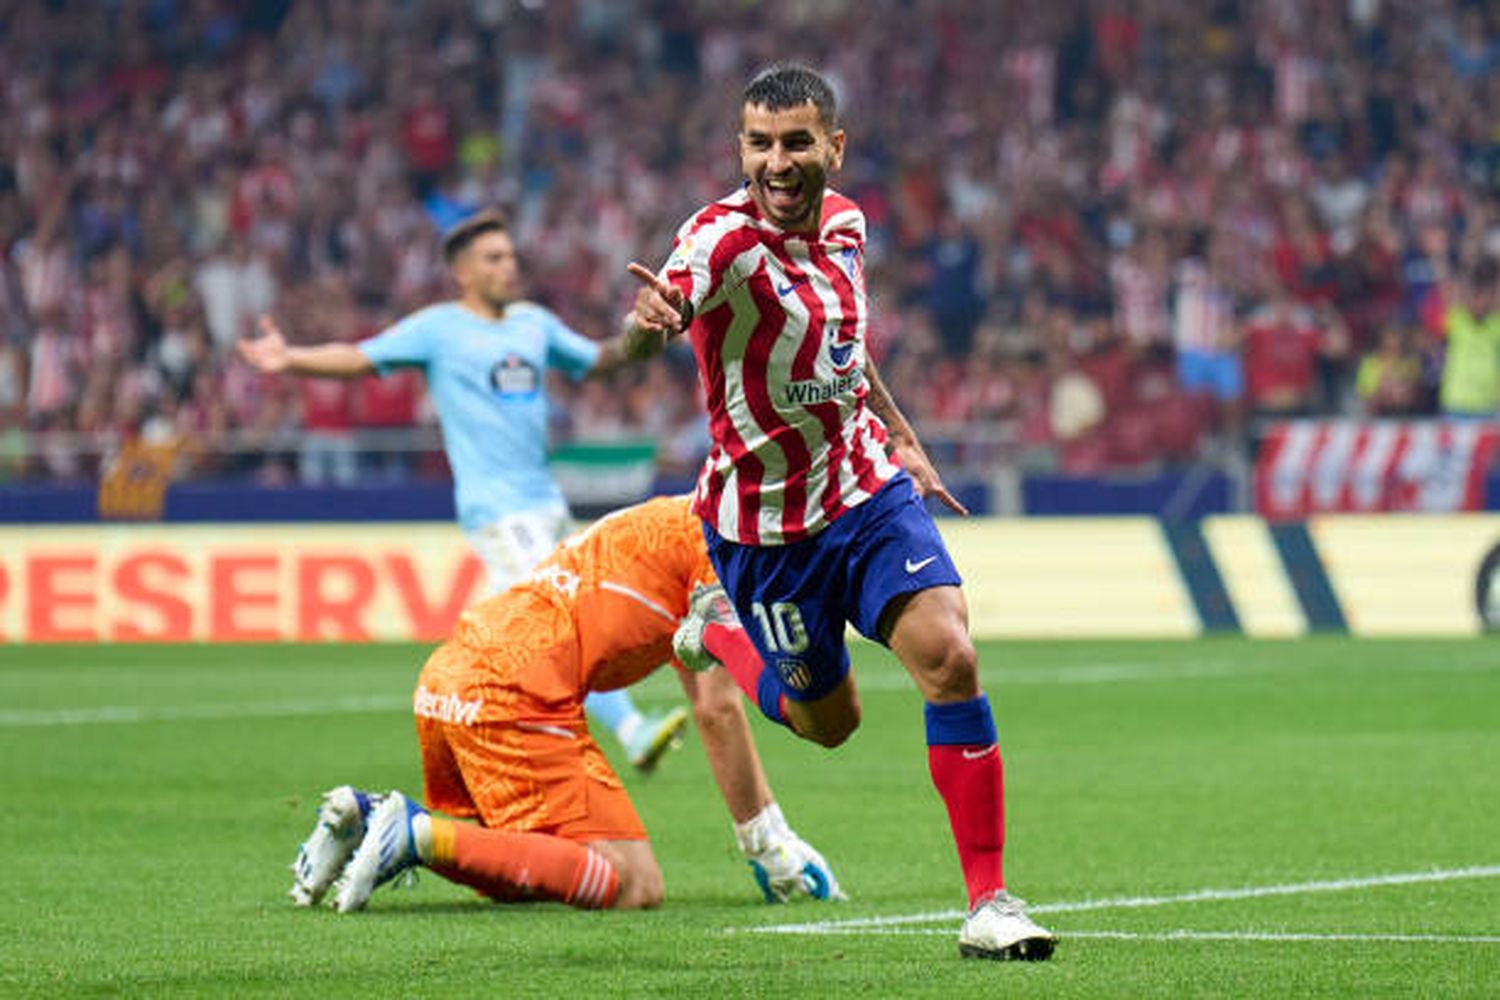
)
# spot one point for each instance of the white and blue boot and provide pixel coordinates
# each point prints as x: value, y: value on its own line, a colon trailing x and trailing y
x: 341, y: 826
x: 388, y: 850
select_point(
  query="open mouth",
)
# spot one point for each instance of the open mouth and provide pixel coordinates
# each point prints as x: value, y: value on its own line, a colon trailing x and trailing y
x: 783, y: 194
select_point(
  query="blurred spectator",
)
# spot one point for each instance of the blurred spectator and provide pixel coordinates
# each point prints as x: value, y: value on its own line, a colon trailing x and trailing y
x: 1340, y: 196
x: 1389, y: 381
x: 382, y: 405
x: 1285, y: 344
x: 1076, y: 410
x: 169, y: 170
x: 327, y: 448
x: 14, y: 441
x: 1139, y: 277
x: 1205, y: 334
x: 952, y: 262
x: 235, y: 285
x: 1471, y: 358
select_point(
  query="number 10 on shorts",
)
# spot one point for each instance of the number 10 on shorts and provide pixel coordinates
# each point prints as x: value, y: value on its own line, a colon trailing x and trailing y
x: 781, y: 626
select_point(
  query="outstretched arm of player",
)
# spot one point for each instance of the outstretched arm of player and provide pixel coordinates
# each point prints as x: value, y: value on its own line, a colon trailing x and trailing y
x: 661, y: 312
x: 784, y: 865
x: 905, y: 445
x: 271, y: 354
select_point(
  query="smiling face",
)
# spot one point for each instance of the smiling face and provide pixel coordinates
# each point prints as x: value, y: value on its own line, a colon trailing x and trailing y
x: 786, y: 156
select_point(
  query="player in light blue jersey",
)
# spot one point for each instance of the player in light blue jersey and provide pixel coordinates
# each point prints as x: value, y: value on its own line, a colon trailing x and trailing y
x: 485, y: 356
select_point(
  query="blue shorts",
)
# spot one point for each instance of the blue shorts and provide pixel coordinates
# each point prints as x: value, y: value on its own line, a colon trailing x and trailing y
x: 1221, y: 374
x: 795, y: 600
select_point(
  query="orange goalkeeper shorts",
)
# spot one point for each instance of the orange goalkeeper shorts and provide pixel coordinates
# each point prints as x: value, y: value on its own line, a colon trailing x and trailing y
x: 493, y: 752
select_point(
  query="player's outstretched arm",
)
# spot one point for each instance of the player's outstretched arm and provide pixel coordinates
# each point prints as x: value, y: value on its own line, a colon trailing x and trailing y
x: 904, y: 443
x: 661, y: 312
x: 783, y: 864
x: 270, y: 353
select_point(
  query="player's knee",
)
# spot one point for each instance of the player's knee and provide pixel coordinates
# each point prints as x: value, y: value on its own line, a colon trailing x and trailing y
x: 930, y: 634
x: 640, y: 889
x: 831, y: 726
x: 834, y: 735
x: 951, y: 673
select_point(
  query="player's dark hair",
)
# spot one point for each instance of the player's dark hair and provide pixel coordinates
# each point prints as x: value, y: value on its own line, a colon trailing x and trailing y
x: 788, y: 85
x: 457, y: 239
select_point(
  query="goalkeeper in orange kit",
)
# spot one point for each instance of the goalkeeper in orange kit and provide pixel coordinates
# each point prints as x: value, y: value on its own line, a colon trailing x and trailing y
x: 532, y: 808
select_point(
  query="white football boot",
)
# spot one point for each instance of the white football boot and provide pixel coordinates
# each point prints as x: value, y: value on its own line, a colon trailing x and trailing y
x: 341, y: 826
x: 709, y: 606
x: 998, y: 928
x: 388, y: 850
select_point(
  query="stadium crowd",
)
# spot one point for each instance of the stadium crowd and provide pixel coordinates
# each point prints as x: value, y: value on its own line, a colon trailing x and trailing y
x: 1103, y: 234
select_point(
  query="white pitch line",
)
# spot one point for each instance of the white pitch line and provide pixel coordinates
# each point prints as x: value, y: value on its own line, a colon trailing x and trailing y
x: 1139, y: 902
x: 116, y: 714
x: 1292, y: 889
x: 1190, y: 935
x: 1185, y: 935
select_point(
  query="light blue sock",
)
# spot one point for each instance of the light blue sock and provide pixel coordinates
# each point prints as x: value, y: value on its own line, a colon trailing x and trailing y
x: 613, y: 708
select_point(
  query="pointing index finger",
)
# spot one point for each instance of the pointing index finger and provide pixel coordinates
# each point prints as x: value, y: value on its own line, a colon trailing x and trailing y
x: 648, y: 276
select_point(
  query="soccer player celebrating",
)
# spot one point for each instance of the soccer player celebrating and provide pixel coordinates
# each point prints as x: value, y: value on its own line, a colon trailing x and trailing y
x: 811, y: 495
x: 484, y: 356
x: 499, y: 712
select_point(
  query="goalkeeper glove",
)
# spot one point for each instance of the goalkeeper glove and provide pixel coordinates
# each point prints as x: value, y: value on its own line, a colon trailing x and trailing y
x: 783, y: 863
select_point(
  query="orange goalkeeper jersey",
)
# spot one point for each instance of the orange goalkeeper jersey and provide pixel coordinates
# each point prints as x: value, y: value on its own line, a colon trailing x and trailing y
x: 601, y: 608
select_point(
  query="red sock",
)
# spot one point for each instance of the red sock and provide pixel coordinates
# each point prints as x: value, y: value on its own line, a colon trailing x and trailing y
x: 519, y: 866
x: 971, y: 780
x: 733, y: 648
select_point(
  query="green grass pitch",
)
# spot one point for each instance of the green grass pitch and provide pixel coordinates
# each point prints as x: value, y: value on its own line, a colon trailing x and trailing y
x: 1212, y: 818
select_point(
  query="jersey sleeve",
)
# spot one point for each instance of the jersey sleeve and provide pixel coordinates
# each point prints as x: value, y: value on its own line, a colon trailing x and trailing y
x: 409, y: 342
x: 569, y: 351
x: 843, y: 220
x: 688, y: 268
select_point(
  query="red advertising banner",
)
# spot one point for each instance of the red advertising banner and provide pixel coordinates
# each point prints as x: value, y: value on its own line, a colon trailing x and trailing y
x: 232, y: 583
x: 1320, y: 466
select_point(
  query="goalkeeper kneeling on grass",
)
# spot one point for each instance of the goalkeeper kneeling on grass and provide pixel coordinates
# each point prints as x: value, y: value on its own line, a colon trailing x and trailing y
x: 531, y: 809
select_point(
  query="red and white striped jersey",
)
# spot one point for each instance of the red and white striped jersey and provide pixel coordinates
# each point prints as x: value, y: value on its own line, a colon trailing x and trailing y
x: 779, y: 333
x: 1203, y: 316
x: 1140, y: 295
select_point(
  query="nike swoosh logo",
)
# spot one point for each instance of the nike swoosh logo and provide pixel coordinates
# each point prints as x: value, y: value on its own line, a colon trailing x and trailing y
x: 912, y: 567
x: 977, y: 754
x: 783, y: 289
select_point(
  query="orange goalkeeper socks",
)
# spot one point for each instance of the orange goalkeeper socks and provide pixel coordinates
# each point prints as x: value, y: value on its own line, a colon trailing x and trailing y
x: 513, y: 867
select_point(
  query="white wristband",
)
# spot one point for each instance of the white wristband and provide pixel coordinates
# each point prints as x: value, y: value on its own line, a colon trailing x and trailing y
x: 761, y: 830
